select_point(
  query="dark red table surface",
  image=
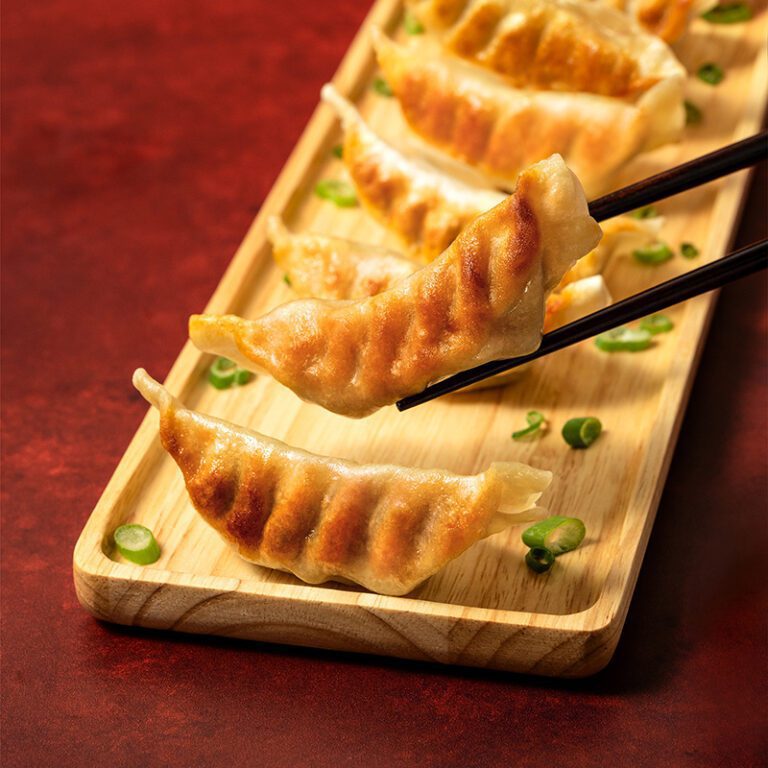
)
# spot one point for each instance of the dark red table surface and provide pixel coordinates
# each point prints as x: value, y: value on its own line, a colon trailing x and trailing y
x: 139, y: 140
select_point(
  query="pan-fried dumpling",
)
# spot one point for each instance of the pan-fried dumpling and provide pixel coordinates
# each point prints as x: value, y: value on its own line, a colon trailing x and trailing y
x: 325, y: 267
x: 482, y: 299
x: 385, y: 527
x: 424, y: 207
x: 476, y: 118
x: 562, y: 45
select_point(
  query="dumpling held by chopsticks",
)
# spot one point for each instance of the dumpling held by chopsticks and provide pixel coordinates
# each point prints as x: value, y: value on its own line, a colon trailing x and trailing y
x: 481, y: 300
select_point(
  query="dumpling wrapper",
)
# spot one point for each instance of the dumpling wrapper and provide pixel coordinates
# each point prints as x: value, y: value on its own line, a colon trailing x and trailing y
x: 562, y: 45
x: 425, y: 207
x: 384, y: 527
x: 483, y: 299
x: 476, y: 118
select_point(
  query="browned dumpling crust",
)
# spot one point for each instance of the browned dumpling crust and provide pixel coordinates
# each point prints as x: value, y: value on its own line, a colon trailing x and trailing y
x: 423, y: 206
x: 565, y: 45
x: 482, y: 299
x: 473, y: 116
x: 386, y: 528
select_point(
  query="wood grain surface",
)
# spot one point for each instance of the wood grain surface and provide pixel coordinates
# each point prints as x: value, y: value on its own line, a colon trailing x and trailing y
x: 485, y: 608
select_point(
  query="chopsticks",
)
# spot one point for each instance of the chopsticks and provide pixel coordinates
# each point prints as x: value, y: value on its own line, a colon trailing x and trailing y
x: 714, y: 275
x: 721, y: 162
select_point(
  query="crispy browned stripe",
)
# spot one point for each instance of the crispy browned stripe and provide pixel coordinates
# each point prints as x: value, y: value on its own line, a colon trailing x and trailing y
x: 342, y: 531
x: 296, y: 510
x: 253, y: 505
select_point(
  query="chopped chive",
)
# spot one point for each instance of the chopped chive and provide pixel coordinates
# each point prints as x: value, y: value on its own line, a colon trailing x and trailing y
x: 653, y: 254
x: 647, y: 212
x: 287, y: 280
x: 536, y: 423
x: 582, y: 432
x: 136, y: 543
x: 710, y: 73
x: 224, y: 374
x: 338, y: 151
x: 689, y: 251
x: 656, y: 324
x: 693, y: 114
x: 556, y: 534
x: 623, y: 340
x: 381, y: 86
x: 339, y: 192
x: 539, y: 559
x: 412, y: 25
x: 728, y: 13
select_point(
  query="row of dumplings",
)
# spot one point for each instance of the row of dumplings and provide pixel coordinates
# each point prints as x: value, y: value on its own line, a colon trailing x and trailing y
x: 542, y: 99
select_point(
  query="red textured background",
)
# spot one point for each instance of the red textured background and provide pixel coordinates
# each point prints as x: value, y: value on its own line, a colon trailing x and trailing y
x: 139, y: 140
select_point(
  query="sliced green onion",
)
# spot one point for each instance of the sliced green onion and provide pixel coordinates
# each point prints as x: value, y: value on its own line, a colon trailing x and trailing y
x: 693, y: 114
x: 728, y: 13
x: 338, y: 151
x: 242, y: 377
x: 647, y: 212
x: 339, y: 192
x: 539, y: 559
x: 412, y: 25
x: 656, y: 324
x: 556, y: 534
x: 689, y: 251
x: 710, y: 73
x: 535, y: 424
x: 582, y: 432
x: 657, y: 253
x: 222, y: 373
x: 137, y: 544
x: 381, y: 86
x: 623, y: 340
x: 287, y: 280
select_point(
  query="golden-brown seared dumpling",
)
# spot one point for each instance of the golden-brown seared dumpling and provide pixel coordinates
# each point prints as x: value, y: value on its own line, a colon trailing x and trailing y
x: 482, y: 299
x: 423, y: 206
x: 475, y: 117
x: 385, y: 527
x: 562, y: 45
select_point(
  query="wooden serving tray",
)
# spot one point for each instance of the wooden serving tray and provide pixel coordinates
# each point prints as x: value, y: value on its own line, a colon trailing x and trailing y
x: 485, y: 608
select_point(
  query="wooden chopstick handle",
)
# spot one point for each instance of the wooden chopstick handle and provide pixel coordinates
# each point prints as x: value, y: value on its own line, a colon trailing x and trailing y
x: 730, y: 159
x: 714, y: 275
